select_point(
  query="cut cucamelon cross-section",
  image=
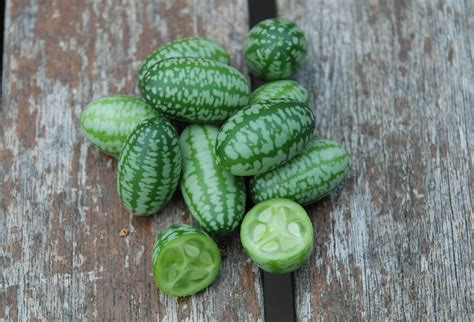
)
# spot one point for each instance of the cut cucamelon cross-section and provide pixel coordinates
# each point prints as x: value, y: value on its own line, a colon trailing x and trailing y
x: 311, y: 175
x: 277, y: 234
x: 185, y: 260
x: 108, y: 120
x: 215, y: 197
x: 263, y: 136
x: 149, y: 166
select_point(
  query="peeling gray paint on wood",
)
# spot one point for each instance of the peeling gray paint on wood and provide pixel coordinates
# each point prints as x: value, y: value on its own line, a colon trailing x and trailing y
x: 392, y: 80
x: 61, y: 257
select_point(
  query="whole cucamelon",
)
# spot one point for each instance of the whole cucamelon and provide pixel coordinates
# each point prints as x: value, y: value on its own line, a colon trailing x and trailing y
x: 215, y: 197
x: 108, y: 120
x: 263, y: 136
x: 195, y: 89
x: 275, y: 49
x: 149, y: 166
x: 186, y: 47
x: 311, y: 175
x: 289, y: 89
x: 185, y: 260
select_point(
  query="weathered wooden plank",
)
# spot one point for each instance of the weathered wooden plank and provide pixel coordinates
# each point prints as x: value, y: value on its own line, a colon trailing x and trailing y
x: 61, y: 257
x: 392, y: 80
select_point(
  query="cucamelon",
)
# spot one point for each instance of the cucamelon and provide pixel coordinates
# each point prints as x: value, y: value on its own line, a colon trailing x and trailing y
x: 215, y: 197
x: 186, y: 47
x: 311, y: 175
x: 149, y: 166
x: 185, y: 260
x: 195, y: 89
x: 277, y: 234
x: 275, y: 49
x: 263, y: 136
x: 108, y: 120
x: 289, y: 89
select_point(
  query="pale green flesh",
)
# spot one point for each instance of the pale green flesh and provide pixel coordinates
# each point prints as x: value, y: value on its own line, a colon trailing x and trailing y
x: 187, y: 265
x: 278, y: 235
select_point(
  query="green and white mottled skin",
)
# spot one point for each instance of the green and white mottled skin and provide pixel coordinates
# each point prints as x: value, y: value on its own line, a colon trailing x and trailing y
x: 108, y: 120
x: 288, y: 89
x: 195, y: 89
x: 185, y: 260
x: 215, y: 197
x: 277, y: 234
x: 149, y: 166
x: 263, y: 136
x: 275, y: 49
x: 186, y: 47
x: 310, y: 176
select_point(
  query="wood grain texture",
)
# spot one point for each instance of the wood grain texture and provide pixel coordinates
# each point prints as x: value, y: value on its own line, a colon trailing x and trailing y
x: 392, y: 80
x: 61, y: 257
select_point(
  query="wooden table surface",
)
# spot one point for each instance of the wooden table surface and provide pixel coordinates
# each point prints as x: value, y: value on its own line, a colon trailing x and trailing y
x: 391, y: 80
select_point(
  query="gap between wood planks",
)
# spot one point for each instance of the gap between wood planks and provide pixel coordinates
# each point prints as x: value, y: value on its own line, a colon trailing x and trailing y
x: 277, y: 288
x: 2, y: 12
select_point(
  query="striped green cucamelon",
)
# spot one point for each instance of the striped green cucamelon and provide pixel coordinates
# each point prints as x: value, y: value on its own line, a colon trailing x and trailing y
x: 195, y: 89
x: 289, y: 89
x: 108, y: 120
x: 275, y: 49
x: 149, y: 166
x: 185, y: 260
x: 263, y: 136
x: 311, y: 175
x: 215, y: 197
x: 186, y: 47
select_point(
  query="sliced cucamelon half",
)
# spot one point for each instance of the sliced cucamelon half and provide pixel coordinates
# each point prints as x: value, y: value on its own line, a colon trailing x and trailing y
x: 277, y: 234
x: 185, y: 260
